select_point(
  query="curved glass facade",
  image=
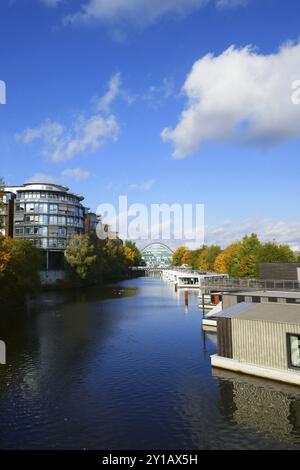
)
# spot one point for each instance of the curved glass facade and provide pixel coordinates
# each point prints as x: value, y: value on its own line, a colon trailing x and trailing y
x: 157, y: 255
x: 47, y: 215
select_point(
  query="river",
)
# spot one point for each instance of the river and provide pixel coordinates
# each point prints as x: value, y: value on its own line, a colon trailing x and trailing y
x: 128, y: 367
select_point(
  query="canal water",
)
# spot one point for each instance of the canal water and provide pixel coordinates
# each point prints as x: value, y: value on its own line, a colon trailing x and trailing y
x: 128, y: 367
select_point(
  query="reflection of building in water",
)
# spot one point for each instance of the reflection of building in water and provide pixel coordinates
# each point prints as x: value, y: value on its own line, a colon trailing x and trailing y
x: 260, y: 405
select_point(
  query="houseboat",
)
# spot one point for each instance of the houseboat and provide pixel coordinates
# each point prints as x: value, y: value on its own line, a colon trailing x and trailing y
x: 261, y: 339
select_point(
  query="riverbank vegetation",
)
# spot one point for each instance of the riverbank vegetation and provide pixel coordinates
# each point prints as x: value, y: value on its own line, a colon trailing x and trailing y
x: 20, y: 263
x: 91, y: 260
x: 240, y: 259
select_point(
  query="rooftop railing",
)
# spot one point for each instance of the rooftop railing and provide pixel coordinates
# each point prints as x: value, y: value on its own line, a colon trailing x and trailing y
x: 251, y: 284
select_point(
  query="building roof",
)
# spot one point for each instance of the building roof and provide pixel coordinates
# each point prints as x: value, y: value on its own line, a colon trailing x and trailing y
x: 275, y: 313
x: 40, y: 186
x: 267, y: 293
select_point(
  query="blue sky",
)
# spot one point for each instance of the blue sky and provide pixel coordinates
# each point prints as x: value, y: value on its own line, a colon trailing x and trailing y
x: 96, y: 92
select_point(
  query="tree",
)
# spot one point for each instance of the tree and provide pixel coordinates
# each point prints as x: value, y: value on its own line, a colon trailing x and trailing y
x: 186, y: 258
x: 246, y: 259
x: 2, y: 184
x: 20, y: 263
x: 80, y: 256
x: 207, y: 257
x: 220, y: 265
x: 193, y: 258
x: 178, y: 255
x: 115, y: 263
x: 272, y: 253
x: 225, y: 261
x: 132, y: 254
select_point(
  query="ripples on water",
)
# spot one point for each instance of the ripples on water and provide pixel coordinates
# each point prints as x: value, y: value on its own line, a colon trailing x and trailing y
x: 129, y: 368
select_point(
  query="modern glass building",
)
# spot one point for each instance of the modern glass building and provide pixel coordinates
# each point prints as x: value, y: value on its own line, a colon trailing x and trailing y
x: 47, y: 215
x: 157, y: 255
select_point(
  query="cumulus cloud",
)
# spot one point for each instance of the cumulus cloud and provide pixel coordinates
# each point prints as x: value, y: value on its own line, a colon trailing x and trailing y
x: 241, y: 96
x: 76, y: 174
x: 84, y: 135
x: 145, y: 186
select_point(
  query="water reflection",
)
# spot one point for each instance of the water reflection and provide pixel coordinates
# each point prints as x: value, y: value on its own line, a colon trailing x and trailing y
x: 272, y: 409
x: 125, y: 368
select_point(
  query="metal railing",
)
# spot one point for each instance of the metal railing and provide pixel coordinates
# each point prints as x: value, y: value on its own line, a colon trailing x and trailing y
x: 250, y: 284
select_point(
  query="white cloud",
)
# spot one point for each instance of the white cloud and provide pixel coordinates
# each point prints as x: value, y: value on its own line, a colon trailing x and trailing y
x: 76, y: 174
x: 267, y: 230
x: 140, y: 12
x: 137, y: 13
x: 48, y: 131
x: 40, y: 178
x: 240, y: 95
x: 114, y: 89
x: 145, y: 186
x: 84, y: 135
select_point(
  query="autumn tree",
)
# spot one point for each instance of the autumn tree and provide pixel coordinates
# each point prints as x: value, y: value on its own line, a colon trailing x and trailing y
x: 20, y: 263
x: 2, y: 184
x: 225, y: 261
x: 186, y: 258
x: 178, y: 255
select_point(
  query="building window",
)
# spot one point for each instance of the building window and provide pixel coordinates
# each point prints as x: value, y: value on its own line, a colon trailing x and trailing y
x: 292, y: 301
x: 29, y: 231
x: 43, y: 208
x: 293, y: 343
x: 240, y: 299
x: 53, y: 220
x: 20, y: 207
x: 273, y: 299
x: 30, y: 207
x: 61, y: 219
x: 256, y: 300
x: 53, y: 208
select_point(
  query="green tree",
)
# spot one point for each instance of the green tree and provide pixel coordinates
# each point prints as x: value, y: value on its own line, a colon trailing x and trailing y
x: 178, y: 255
x: 246, y: 260
x: 81, y: 257
x: 193, y: 258
x: 272, y: 253
x: 115, y: 262
x: 132, y: 254
x: 207, y: 257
